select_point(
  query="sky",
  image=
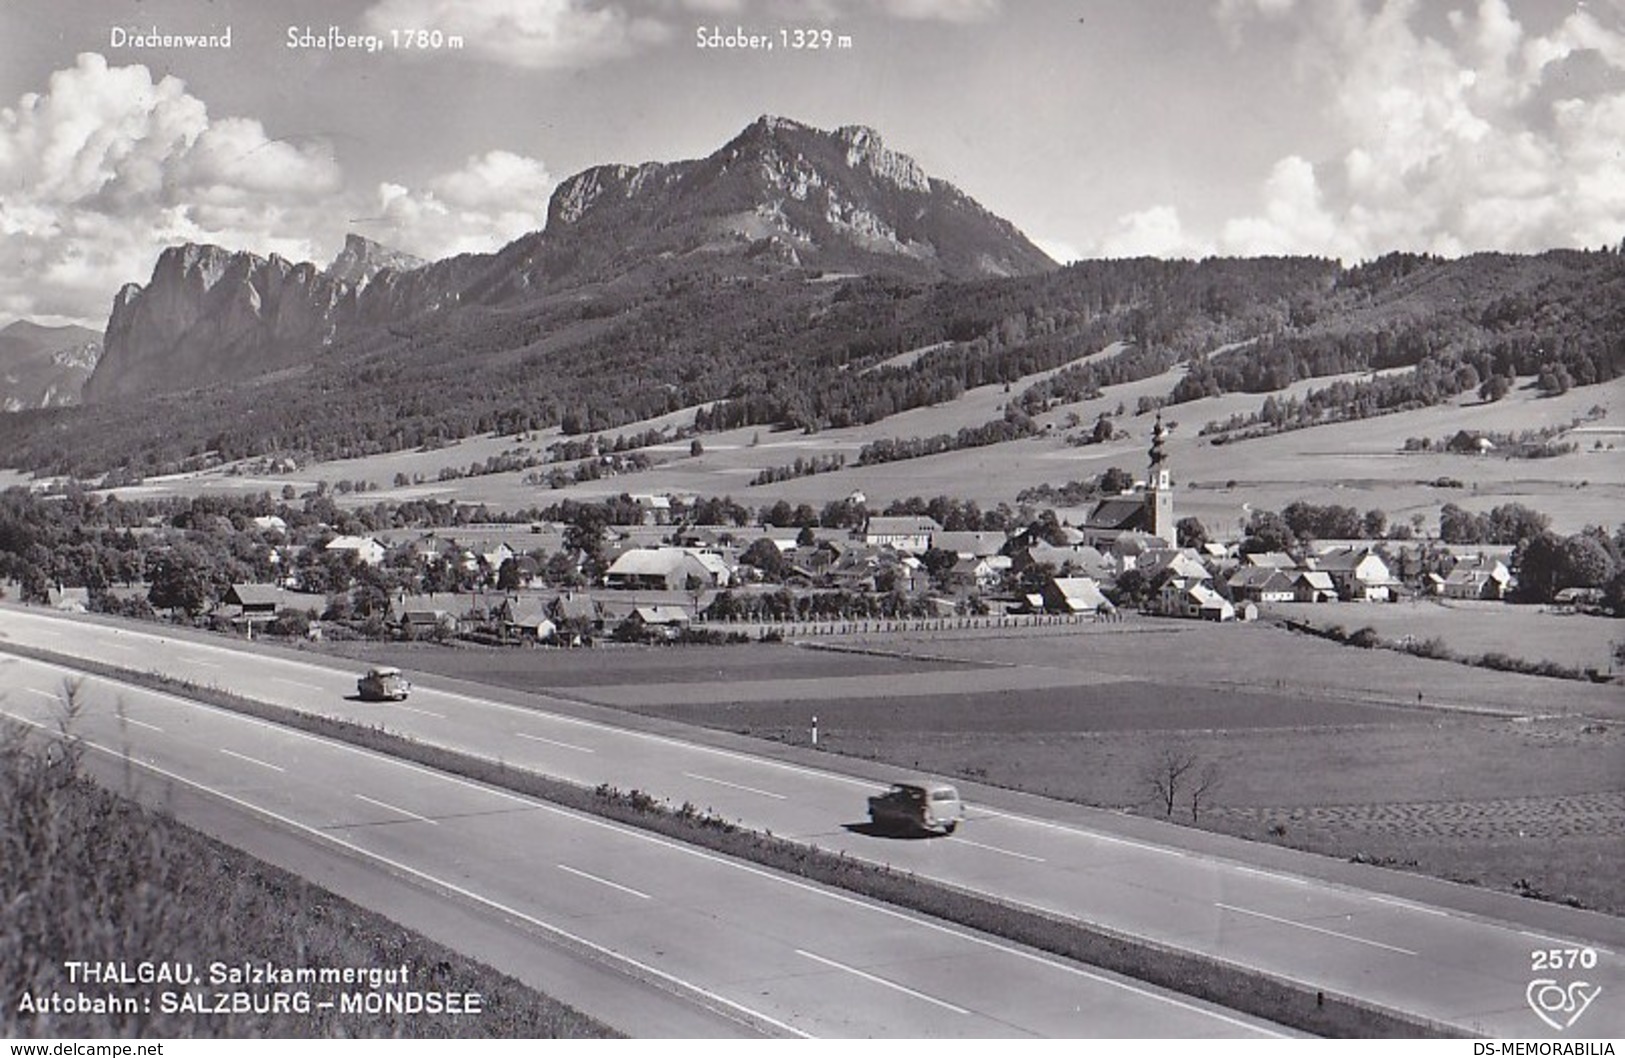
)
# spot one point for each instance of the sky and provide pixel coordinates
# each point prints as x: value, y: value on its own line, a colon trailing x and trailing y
x: 1100, y: 128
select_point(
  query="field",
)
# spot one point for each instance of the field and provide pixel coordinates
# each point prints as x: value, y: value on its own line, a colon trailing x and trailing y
x: 1506, y: 781
x: 1359, y: 464
x: 1472, y: 628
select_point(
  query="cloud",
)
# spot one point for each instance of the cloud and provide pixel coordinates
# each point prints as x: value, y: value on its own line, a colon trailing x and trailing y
x: 108, y: 166
x: 491, y: 200
x: 1475, y: 135
x: 532, y: 34
x: 1154, y: 232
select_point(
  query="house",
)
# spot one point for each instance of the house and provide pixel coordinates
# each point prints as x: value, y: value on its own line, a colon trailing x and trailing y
x: 1181, y: 597
x: 666, y: 569
x: 1465, y: 442
x: 967, y: 544
x: 531, y: 622
x: 255, y: 602
x: 1480, y: 577
x: 576, y: 613
x: 654, y: 621
x: 1313, y: 586
x: 494, y: 558
x: 983, y: 574
x: 1074, y: 595
x: 365, y: 548
x: 655, y: 510
x: 1176, y: 562
x: 1358, y: 574
x: 911, y: 532
x: 270, y: 523
x: 1272, y: 560
x: 418, y: 616
x: 1262, y: 584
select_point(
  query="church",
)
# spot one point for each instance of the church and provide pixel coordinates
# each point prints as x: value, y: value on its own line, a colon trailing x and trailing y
x: 1144, y: 518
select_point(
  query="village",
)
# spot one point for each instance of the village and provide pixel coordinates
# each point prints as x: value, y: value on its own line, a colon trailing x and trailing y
x: 644, y: 569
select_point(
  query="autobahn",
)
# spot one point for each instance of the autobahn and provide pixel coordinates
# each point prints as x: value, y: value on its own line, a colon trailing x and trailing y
x: 758, y: 950
x: 1414, y: 948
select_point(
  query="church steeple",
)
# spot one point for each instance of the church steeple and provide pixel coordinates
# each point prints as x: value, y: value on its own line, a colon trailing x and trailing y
x: 1159, y: 488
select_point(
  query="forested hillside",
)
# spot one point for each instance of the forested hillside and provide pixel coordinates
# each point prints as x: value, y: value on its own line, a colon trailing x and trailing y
x: 788, y: 348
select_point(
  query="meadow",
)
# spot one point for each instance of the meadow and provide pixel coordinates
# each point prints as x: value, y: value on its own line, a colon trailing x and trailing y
x: 1494, y: 779
x: 1361, y: 464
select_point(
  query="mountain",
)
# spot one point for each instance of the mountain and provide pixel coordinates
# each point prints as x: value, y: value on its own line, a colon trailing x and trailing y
x: 361, y: 259
x: 833, y: 201
x: 45, y: 367
x: 780, y: 196
x: 209, y: 315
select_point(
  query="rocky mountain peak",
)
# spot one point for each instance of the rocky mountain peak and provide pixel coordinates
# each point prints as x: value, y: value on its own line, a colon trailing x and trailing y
x: 361, y: 259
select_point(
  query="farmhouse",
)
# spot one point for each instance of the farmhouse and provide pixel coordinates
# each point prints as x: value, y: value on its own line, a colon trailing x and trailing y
x: 647, y: 621
x: 967, y: 544
x: 1261, y: 584
x: 1074, y: 595
x: 1358, y: 574
x: 911, y: 532
x: 255, y: 601
x: 1479, y: 577
x: 365, y: 548
x: 1313, y: 586
x: 1181, y: 597
x: 666, y: 569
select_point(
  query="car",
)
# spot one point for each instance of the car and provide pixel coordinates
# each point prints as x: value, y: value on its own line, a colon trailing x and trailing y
x: 383, y: 683
x: 925, y: 806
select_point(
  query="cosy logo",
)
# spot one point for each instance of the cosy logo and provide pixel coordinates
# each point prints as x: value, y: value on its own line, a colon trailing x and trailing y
x: 1560, y: 1006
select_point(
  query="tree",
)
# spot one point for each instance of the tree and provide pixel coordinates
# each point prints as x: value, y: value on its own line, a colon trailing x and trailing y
x: 1267, y: 531
x: 1374, y: 525
x: 695, y: 448
x: 1190, y: 532
x: 1166, y: 773
x: 179, y: 583
x: 1114, y: 480
x: 1494, y: 388
x: 765, y: 556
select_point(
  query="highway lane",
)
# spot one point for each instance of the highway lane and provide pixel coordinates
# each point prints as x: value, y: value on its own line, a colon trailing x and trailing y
x: 1461, y: 969
x: 797, y: 958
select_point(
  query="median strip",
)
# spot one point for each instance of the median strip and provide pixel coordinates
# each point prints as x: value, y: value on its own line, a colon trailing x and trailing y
x: 1299, y: 1005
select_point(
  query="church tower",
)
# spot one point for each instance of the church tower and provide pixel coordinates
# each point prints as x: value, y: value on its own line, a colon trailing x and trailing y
x: 1159, y: 489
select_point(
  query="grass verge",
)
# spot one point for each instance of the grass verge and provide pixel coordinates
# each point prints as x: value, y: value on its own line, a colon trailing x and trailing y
x: 1237, y: 988
x: 87, y: 875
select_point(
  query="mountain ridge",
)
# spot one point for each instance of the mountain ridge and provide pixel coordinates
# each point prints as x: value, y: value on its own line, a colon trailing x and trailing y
x: 779, y: 195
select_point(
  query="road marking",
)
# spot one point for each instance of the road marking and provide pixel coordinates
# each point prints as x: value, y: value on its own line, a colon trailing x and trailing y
x: 882, y: 981
x: 123, y: 647
x: 296, y: 683
x: 142, y: 723
x: 605, y: 881
x: 397, y: 808
x: 253, y: 760
x: 465, y: 893
x: 1408, y: 906
x: 630, y: 833
x: 1316, y: 929
x: 1079, y: 832
x: 995, y: 848
x: 554, y: 742
x: 200, y: 662
x: 421, y: 712
x: 1271, y: 875
x: 1565, y: 943
x: 736, y: 786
